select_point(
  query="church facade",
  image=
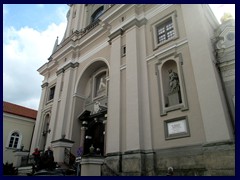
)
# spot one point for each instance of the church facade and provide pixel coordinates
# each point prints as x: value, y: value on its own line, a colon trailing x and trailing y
x: 138, y: 85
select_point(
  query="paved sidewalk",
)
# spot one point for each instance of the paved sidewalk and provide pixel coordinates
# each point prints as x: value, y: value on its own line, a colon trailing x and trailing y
x: 22, y: 171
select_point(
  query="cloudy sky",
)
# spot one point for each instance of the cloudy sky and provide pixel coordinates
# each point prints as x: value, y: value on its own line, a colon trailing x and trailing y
x: 29, y: 33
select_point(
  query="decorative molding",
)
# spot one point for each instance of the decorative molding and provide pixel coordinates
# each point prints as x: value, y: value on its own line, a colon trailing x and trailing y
x: 60, y: 71
x: 115, y: 34
x: 92, y: 160
x: 79, y: 96
x: 184, y: 41
x: 151, y: 13
x: 62, y: 143
x: 134, y: 22
x: 131, y: 23
x: 69, y: 65
x: 94, y: 51
x: 44, y: 85
x: 123, y: 67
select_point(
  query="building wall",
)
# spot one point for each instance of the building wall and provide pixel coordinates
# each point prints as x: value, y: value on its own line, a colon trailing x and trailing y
x: 24, y: 126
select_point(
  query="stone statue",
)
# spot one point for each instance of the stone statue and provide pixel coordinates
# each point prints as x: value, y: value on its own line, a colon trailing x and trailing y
x: 173, y: 82
x: 226, y: 17
x: 101, y: 86
x: 96, y: 107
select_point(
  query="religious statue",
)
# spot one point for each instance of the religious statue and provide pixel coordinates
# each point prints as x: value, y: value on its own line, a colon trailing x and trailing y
x: 173, y: 82
x: 96, y: 107
x: 226, y: 17
x: 101, y: 87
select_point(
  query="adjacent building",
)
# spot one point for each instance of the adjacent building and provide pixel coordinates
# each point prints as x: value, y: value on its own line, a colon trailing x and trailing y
x: 18, y: 127
x: 138, y: 84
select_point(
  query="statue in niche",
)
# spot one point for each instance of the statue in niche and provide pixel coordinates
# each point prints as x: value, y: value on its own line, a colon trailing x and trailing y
x: 101, y: 87
x: 173, y: 82
x: 174, y: 95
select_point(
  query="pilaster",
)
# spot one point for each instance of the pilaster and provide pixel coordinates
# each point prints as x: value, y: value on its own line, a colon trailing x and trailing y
x: 63, y: 117
x: 132, y: 90
x: 37, y: 130
x: 55, y: 108
x: 113, y: 125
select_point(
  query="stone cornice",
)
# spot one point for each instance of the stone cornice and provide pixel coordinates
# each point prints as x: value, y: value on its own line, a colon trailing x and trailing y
x: 62, y: 143
x: 115, y: 34
x: 44, y: 85
x: 67, y: 66
x: 133, y: 22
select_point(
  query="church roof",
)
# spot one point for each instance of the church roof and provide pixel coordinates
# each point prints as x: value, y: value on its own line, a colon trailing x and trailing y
x: 19, y: 110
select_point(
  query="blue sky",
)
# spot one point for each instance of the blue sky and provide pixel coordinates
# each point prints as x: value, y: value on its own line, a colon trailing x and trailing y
x: 29, y: 33
x: 37, y: 16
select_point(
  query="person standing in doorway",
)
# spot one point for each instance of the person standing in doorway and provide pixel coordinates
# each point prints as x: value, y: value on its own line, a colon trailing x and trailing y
x: 49, y: 158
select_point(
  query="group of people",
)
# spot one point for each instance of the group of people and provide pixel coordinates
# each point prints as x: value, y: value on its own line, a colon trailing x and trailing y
x: 44, y: 160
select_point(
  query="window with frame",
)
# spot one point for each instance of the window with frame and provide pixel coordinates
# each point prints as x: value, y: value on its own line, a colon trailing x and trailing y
x: 165, y: 30
x: 14, y: 140
x: 51, y: 93
x: 123, y: 50
x: 97, y: 14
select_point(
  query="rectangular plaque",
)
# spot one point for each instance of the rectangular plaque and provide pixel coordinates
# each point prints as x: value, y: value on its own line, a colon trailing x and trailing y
x: 176, y: 128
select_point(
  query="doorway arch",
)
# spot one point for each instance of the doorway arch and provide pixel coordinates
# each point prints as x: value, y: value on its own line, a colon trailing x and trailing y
x: 90, y: 107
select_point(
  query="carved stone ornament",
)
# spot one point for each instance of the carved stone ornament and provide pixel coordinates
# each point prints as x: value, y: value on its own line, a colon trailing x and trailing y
x: 96, y: 107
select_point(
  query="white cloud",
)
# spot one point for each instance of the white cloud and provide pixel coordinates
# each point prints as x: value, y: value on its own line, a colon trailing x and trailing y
x: 24, y: 51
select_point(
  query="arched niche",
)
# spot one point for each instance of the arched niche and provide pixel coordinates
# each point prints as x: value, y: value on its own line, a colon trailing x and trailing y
x: 171, y: 85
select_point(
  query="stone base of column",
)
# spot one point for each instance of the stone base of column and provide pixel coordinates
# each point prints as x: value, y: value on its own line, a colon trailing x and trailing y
x: 91, y: 166
x: 59, y: 149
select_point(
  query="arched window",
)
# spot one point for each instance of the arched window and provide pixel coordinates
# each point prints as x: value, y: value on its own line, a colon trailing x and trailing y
x: 97, y: 14
x: 14, y: 141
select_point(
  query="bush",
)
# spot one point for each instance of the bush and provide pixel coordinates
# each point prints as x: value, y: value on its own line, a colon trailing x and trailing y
x: 8, y: 169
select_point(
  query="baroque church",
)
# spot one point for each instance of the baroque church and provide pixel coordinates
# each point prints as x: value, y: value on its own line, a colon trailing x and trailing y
x: 134, y: 89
